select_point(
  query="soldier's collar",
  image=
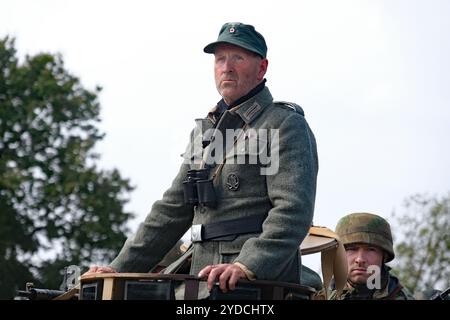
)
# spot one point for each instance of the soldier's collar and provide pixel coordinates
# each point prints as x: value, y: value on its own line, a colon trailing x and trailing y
x: 252, y: 108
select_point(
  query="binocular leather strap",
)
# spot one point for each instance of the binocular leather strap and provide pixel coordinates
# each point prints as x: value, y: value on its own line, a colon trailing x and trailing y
x: 224, y: 229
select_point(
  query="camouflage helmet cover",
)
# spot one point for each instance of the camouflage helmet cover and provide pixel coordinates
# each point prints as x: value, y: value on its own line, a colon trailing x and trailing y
x: 366, y: 228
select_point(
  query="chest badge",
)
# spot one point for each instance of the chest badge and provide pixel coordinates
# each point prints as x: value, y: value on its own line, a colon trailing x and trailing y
x: 232, y: 182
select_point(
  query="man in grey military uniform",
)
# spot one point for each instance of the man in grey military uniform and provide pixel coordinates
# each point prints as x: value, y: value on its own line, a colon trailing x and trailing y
x: 248, y: 196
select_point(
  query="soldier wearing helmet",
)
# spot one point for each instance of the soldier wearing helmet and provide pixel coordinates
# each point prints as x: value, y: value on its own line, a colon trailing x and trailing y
x: 368, y: 244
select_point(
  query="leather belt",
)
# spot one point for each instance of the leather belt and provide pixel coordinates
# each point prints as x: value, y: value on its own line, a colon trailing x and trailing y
x: 228, y: 229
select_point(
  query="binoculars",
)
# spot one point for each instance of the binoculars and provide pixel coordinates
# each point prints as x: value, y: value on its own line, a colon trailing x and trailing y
x: 198, y: 189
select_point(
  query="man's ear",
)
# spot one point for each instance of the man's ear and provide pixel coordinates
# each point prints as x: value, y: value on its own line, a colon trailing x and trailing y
x: 264, y: 63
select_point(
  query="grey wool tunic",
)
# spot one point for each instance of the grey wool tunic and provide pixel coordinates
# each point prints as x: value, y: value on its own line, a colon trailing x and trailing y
x: 284, y: 194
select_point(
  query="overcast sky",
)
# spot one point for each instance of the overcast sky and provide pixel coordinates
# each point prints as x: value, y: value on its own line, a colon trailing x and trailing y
x: 372, y: 77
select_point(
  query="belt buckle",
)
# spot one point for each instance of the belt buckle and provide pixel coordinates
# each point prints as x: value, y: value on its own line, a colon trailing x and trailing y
x: 196, y: 233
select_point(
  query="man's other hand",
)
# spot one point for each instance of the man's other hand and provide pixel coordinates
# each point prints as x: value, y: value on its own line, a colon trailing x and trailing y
x: 227, y: 274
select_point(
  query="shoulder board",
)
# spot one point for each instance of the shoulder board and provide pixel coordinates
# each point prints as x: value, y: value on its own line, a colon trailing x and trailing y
x: 290, y: 105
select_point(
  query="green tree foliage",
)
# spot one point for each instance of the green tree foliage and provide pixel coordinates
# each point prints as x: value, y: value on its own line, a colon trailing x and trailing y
x: 57, y: 208
x: 423, y: 248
